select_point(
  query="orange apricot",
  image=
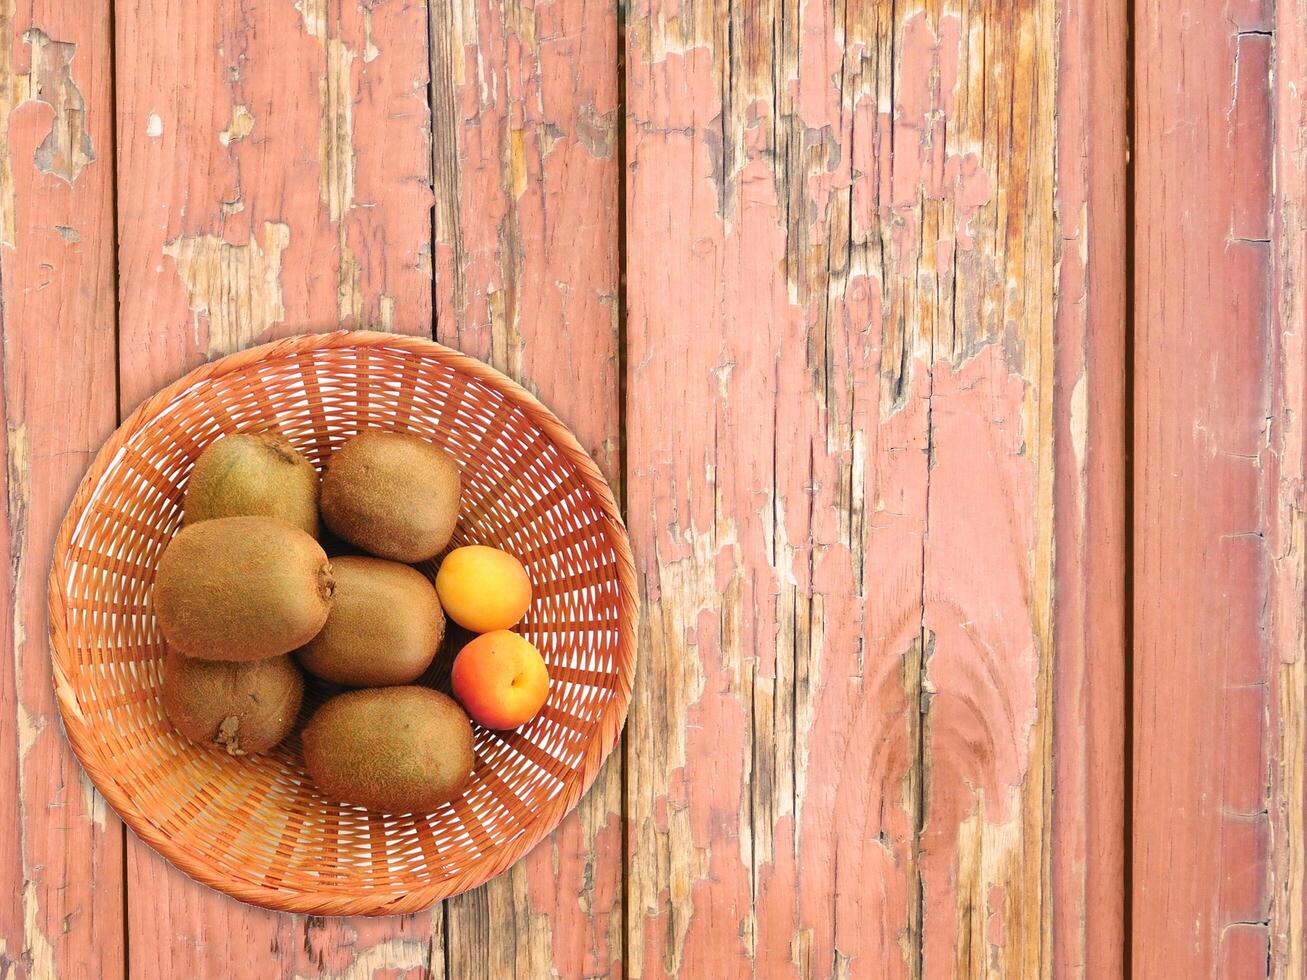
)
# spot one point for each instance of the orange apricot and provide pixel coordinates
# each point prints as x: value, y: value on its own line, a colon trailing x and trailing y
x: 501, y: 679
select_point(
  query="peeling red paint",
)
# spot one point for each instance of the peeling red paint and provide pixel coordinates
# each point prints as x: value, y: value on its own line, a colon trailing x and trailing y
x: 261, y: 57
x: 526, y: 171
x: 970, y: 189
x: 570, y: 874
x: 61, y: 889
x: 916, y: 141
x: 985, y: 662
x: 1284, y: 462
x: 801, y: 556
x: 357, y: 247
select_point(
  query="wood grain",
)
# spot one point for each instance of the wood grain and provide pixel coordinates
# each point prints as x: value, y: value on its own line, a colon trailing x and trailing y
x: 840, y: 454
x: 1285, y: 462
x: 60, y: 846
x: 525, y: 156
x: 274, y: 178
x: 1089, y: 720
x: 274, y: 175
x: 874, y: 367
x: 1201, y: 560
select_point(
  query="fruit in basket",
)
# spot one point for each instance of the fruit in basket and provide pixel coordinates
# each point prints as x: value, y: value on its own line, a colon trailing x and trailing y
x: 384, y: 627
x: 392, y: 494
x: 242, y: 588
x: 501, y: 679
x: 394, y: 749
x: 483, y: 588
x: 253, y: 474
x: 245, y: 707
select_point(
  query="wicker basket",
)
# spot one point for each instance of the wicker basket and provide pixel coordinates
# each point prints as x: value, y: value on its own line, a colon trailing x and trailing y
x: 256, y: 828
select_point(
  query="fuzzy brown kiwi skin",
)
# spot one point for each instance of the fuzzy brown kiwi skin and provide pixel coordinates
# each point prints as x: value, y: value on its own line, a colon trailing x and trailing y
x: 384, y: 628
x: 253, y: 474
x: 392, y: 749
x: 247, y: 708
x: 391, y: 494
x: 242, y: 588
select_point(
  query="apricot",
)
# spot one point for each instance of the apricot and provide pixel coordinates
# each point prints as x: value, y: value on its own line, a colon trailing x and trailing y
x: 483, y: 588
x: 501, y: 679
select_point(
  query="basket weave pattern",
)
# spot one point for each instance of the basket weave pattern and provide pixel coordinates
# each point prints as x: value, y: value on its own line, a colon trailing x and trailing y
x: 256, y: 827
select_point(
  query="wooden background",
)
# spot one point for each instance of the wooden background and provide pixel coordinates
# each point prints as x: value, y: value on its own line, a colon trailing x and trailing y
x: 949, y: 359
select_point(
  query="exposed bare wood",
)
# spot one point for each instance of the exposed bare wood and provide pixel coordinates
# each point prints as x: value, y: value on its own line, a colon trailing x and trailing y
x: 1285, y: 460
x: 60, y: 847
x: 525, y: 111
x: 274, y: 178
x: 874, y: 443
x: 840, y: 447
x: 274, y: 175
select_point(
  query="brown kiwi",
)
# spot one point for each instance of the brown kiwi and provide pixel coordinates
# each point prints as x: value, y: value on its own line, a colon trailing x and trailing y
x: 384, y: 628
x: 245, y: 707
x: 393, y: 749
x: 242, y: 588
x: 392, y: 494
x: 253, y: 474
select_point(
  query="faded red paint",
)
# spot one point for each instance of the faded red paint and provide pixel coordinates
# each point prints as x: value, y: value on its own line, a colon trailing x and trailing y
x: 60, y: 851
x: 525, y: 226
x: 697, y: 566
x: 526, y: 167
x: 570, y: 879
x: 799, y: 494
x: 1201, y: 564
x: 1252, y: 15
x: 356, y: 206
x: 840, y: 428
x: 1089, y: 697
x: 915, y: 142
x: 983, y: 668
x: 338, y: 154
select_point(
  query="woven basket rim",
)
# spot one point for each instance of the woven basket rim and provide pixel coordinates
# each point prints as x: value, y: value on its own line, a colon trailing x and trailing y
x: 495, y: 860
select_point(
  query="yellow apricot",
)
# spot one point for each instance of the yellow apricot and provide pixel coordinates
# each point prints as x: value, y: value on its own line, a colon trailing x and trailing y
x: 483, y: 588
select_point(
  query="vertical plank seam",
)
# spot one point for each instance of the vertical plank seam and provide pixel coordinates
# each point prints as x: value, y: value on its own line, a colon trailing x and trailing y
x: 443, y: 911
x: 1128, y: 502
x: 622, y: 757
x: 922, y: 707
x: 431, y: 182
x: 919, y: 710
x: 112, y: 163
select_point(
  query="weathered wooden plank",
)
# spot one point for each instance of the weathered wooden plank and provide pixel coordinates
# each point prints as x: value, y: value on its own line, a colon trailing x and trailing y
x: 60, y: 845
x: 987, y: 829
x: 274, y: 175
x: 1089, y: 717
x: 775, y: 711
x: 1201, y: 416
x: 840, y: 447
x: 274, y: 178
x: 525, y: 114
x: 1285, y: 461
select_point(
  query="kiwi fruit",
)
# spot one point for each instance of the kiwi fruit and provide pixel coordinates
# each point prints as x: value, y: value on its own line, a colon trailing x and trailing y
x: 394, y: 495
x: 253, y: 474
x: 391, y: 749
x: 242, y: 588
x: 245, y: 707
x: 384, y: 627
